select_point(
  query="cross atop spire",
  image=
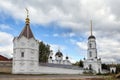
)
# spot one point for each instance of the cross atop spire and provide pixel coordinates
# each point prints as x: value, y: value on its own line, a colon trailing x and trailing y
x: 91, y: 27
x: 59, y: 49
x: 27, y: 12
x: 27, y: 19
x: 27, y: 32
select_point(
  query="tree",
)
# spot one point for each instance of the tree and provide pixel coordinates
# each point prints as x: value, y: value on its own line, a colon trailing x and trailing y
x: 105, y: 66
x: 44, y: 51
x: 79, y: 63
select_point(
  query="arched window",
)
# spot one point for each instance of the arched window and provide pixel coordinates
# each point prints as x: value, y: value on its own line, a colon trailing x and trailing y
x: 90, y: 54
x: 90, y: 45
x: 22, y: 54
x: 90, y: 67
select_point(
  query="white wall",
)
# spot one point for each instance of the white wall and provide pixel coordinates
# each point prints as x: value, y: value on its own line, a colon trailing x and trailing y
x: 112, y: 69
x: 50, y: 70
x: 53, y: 70
x: 96, y: 65
x: 30, y: 59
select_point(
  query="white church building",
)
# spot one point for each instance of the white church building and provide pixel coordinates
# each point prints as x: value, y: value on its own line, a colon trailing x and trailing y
x: 92, y: 62
x: 59, y: 59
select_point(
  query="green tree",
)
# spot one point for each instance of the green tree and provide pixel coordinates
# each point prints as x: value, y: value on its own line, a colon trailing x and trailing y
x: 44, y: 51
x: 79, y: 63
x: 105, y: 66
x: 118, y: 68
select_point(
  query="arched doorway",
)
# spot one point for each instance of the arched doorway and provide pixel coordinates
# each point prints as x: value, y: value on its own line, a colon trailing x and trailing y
x: 90, y: 67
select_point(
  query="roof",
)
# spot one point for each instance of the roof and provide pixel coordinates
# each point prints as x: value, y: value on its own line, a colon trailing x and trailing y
x: 3, y: 58
x: 27, y: 32
x: 93, y: 37
x: 59, y: 54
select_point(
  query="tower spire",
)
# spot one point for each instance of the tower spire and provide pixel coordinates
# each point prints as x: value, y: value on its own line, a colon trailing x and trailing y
x: 59, y: 49
x: 91, y: 27
x: 27, y: 19
x: 27, y: 32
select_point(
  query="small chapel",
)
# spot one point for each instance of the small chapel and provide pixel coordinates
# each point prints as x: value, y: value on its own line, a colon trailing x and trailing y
x: 25, y: 51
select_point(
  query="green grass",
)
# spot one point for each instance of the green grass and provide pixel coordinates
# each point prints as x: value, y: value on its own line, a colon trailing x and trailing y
x: 110, y: 78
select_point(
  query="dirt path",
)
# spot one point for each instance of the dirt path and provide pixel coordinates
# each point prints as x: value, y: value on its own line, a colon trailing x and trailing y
x: 49, y: 77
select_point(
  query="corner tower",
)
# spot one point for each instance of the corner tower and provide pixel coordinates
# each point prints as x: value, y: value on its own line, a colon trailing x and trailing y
x: 92, y: 62
x: 25, y: 51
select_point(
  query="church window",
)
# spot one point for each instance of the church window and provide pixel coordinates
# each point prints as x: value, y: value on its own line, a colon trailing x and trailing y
x: 22, y: 54
x: 90, y: 67
x: 90, y: 45
x: 90, y: 54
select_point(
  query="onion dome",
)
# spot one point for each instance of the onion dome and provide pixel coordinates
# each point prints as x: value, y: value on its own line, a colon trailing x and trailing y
x: 59, y: 54
x: 50, y: 57
x: 67, y: 57
x: 91, y: 37
x: 84, y: 58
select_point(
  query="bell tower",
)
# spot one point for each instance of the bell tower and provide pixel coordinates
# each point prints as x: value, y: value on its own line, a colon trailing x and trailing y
x: 92, y: 62
x: 92, y: 50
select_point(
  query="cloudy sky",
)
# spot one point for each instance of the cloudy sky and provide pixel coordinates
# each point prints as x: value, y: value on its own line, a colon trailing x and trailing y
x: 64, y: 24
